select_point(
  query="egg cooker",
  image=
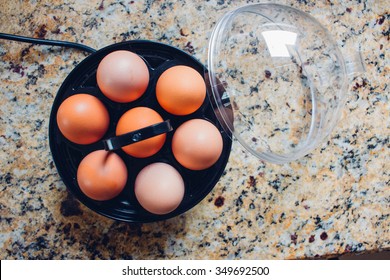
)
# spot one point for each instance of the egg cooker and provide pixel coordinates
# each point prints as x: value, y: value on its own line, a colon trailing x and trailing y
x: 276, y: 82
x: 68, y: 155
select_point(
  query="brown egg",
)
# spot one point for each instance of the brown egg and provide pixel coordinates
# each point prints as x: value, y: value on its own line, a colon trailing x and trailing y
x: 159, y: 188
x: 135, y: 119
x: 180, y: 90
x: 83, y: 119
x: 197, y: 144
x: 102, y: 175
x: 122, y: 76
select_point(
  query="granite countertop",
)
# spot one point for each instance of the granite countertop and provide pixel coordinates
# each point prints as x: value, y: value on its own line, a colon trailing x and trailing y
x: 336, y: 200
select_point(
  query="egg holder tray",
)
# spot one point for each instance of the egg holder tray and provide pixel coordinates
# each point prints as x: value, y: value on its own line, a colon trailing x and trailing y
x: 68, y: 155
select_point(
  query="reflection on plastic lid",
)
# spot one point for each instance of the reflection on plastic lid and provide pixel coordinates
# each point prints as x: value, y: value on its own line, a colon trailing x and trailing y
x: 277, y: 41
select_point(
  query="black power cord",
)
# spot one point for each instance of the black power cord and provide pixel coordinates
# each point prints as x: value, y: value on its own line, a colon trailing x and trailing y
x: 47, y: 42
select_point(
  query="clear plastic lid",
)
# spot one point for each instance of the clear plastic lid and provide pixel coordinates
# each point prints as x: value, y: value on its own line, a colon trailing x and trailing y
x: 277, y: 78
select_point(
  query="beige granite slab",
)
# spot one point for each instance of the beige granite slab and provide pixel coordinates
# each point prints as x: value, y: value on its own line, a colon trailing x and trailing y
x: 335, y: 200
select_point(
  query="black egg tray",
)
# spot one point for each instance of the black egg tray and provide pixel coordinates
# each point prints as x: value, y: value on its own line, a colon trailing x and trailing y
x: 67, y: 155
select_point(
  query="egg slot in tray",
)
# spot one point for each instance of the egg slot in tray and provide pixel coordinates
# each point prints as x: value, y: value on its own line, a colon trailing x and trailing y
x: 68, y: 155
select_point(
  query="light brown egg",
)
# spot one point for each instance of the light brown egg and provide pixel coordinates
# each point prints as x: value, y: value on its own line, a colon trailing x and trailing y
x: 159, y: 188
x: 197, y: 144
x: 135, y: 119
x: 180, y: 90
x: 102, y: 175
x: 122, y: 76
x: 83, y: 119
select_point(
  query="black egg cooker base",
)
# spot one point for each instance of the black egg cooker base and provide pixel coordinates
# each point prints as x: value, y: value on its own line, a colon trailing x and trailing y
x: 67, y: 155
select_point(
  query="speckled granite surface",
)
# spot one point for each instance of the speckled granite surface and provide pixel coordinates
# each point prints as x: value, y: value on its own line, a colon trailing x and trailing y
x: 335, y: 200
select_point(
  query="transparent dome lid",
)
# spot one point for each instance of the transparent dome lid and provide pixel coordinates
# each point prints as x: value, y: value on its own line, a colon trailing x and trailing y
x: 277, y: 80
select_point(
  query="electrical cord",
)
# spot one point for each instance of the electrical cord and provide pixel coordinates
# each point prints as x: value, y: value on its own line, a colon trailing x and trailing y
x: 65, y: 44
